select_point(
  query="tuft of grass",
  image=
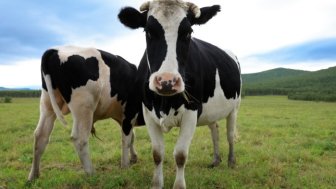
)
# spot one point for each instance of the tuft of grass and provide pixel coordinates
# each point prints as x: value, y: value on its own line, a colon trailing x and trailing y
x: 282, y: 144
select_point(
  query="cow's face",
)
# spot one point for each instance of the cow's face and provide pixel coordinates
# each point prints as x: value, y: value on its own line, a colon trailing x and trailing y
x: 167, y: 24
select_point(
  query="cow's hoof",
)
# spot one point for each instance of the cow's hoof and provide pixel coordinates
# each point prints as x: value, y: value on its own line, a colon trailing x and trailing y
x: 134, y: 159
x: 32, y: 177
x: 232, y: 163
x: 215, y: 163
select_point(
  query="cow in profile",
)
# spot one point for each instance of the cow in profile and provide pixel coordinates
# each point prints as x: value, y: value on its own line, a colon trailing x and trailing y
x: 185, y: 81
x: 91, y: 84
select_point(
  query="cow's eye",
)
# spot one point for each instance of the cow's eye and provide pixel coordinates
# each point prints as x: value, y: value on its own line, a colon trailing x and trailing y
x: 188, y: 36
x: 149, y: 35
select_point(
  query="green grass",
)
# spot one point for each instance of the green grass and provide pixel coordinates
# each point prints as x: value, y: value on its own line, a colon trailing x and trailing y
x: 283, y: 144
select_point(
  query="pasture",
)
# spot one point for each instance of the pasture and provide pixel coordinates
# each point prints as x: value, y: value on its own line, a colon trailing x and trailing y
x: 282, y: 144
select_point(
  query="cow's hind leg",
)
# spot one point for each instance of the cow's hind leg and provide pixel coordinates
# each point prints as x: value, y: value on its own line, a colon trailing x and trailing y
x: 42, y: 133
x: 215, y: 140
x: 127, y: 146
x: 83, y: 120
x: 231, y: 134
x: 134, y: 156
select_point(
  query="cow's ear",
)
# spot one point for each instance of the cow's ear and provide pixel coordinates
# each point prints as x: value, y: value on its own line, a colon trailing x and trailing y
x: 132, y: 18
x: 206, y: 14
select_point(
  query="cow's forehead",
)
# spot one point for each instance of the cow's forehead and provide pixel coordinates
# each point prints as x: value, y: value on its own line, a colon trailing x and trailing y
x: 168, y: 13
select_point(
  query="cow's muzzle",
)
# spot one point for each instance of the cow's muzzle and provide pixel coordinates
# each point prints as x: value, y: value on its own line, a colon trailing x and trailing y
x: 167, y: 84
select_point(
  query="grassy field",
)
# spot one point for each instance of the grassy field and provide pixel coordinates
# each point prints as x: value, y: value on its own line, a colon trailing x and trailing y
x: 283, y: 144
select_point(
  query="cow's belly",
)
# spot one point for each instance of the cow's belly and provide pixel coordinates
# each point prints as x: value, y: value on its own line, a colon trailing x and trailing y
x: 109, y: 107
x: 216, y: 109
x: 218, y: 106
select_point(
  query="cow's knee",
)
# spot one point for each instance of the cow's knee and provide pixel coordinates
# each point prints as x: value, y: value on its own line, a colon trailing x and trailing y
x: 180, y: 158
x: 157, y: 157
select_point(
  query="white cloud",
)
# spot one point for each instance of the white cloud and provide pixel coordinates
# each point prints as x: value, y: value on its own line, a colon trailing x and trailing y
x: 27, y: 72
x: 22, y: 74
x: 249, y: 27
x: 130, y: 45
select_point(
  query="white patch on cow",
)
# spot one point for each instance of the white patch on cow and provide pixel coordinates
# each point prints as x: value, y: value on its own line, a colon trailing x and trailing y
x: 64, y: 52
x: 170, y: 19
x: 85, y: 96
x: 218, y: 106
x: 167, y: 121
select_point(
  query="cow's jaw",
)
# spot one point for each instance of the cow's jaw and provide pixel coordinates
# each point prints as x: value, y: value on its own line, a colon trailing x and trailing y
x: 167, y: 81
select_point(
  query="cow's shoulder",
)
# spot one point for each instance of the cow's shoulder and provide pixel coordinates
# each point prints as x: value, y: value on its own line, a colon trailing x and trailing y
x: 209, y: 60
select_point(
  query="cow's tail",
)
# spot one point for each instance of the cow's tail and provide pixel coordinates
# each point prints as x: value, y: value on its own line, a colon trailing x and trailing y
x: 54, y: 104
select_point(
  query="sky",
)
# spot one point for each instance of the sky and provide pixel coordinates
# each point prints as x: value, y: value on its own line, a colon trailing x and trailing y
x: 264, y: 34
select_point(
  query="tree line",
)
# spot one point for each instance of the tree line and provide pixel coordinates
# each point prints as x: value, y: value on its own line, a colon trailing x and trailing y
x: 294, y: 94
x: 20, y: 93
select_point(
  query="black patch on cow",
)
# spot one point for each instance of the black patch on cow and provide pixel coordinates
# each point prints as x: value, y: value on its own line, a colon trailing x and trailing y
x: 206, y: 14
x: 132, y: 18
x: 157, y: 157
x: 122, y: 80
x: 122, y: 75
x: 156, y: 43
x: 49, y: 56
x: 73, y: 73
x: 182, y: 44
x: 210, y: 58
x: 180, y: 159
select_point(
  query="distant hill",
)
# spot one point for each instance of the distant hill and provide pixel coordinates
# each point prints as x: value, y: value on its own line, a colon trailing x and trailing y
x: 19, y: 92
x: 297, y: 84
x: 271, y: 75
x: 16, y: 89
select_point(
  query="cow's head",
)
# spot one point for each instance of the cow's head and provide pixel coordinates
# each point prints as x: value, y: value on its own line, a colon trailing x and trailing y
x: 167, y: 24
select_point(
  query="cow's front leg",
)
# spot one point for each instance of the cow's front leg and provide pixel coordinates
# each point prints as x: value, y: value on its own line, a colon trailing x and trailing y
x: 156, y: 136
x: 181, y: 150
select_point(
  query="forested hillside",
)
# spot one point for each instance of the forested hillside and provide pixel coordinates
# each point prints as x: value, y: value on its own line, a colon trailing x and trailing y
x: 296, y: 84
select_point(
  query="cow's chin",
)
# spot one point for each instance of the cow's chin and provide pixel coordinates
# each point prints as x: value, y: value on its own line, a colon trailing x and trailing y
x: 166, y: 93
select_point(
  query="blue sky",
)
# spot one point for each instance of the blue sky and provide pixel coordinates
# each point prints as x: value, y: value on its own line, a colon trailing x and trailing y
x: 264, y: 34
x: 309, y: 51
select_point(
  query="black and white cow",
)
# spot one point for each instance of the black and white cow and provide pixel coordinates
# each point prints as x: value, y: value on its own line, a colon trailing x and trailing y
x: 92, y: 85
x: 186, y: 82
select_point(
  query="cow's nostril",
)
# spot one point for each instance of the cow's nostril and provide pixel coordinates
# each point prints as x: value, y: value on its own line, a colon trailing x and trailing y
x: 159, y: 78
x: 164, y: 83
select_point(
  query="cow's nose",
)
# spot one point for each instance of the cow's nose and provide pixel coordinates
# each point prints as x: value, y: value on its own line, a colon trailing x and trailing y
x: 167, y: 83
